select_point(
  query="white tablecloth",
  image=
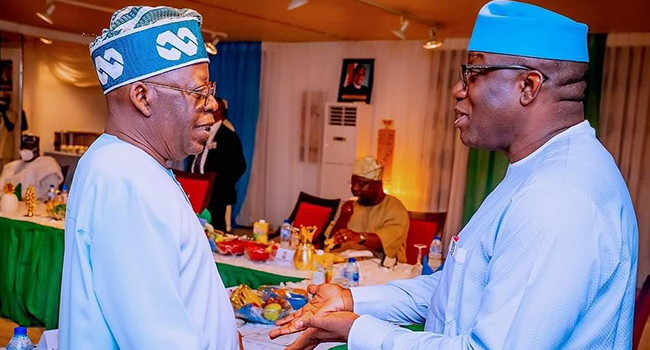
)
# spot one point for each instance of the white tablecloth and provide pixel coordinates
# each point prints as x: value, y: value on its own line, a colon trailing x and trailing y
x: 40, y: 216
x: 370, y: 271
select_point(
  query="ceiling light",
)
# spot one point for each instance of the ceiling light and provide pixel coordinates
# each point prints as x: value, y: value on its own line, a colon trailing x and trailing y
x: 47, y: 16
x: 432, y: 43
x: 294, y: 4
x: 46, y: 41
x: 400, y: 32
x: 210, y: 48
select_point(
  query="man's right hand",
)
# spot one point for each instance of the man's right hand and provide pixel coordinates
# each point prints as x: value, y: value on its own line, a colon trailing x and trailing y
x: 327, y: 298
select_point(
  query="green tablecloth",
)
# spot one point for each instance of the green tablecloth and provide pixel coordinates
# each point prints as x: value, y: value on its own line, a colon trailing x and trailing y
x: 235, y: 275
x: 31, y: 262
x: 413, y: 327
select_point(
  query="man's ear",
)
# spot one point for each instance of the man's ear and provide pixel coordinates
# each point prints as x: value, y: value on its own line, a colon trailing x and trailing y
x: 141, y: 98
x: 530, y: 87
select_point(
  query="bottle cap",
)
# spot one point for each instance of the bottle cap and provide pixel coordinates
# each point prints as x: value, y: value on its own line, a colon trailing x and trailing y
x: 286, y: 221
x: 65, y: 187
x: 352, y: 260
x: 20, y: 331
x: 319, y: 252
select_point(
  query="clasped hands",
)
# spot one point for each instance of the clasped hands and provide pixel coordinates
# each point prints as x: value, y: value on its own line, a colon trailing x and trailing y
x: 328, y: 317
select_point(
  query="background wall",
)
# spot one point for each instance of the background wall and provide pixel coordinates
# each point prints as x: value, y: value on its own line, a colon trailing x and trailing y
x: 412, y: 86
x: 52, y: 105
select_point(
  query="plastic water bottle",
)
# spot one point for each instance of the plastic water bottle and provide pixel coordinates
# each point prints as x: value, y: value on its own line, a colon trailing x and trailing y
x: 20, y: 341
x: 435, y: 254
x: 351, y: 273
x: 51, y: 193
x: 285, y: 234
x: 64, y: 194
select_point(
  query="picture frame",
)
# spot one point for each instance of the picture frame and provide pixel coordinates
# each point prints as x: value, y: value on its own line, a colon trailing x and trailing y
x: 356, y: 80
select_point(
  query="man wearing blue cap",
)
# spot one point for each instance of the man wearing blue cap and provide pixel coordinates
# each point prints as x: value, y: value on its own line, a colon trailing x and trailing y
x: 549, y: 259
x: 138, y: 272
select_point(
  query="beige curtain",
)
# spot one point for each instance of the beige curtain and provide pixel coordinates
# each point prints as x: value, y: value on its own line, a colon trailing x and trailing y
x: 625, y: 125
x: 445, y: 162
x: 70, y: 63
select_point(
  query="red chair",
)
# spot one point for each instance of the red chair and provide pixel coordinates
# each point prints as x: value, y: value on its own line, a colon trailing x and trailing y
x: 314, y: 211
x: 641, y: 312
x: 197, y: 187
x: 423, y: 228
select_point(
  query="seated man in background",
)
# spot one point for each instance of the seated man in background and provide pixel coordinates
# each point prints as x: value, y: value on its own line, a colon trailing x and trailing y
x: 374, y: 221
x: 224, y: 155
x: 31, y: 169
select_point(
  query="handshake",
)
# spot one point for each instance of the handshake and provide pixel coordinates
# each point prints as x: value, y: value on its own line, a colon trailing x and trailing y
x: 328, y: 317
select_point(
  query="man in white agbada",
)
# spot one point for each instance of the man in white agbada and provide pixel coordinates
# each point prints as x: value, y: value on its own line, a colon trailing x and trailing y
x: 32, y: 169
x: 138, y: 271
x: 549, y: 259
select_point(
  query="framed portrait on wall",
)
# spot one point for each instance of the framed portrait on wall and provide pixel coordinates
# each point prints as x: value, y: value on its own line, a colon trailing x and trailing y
x: 356, y: 80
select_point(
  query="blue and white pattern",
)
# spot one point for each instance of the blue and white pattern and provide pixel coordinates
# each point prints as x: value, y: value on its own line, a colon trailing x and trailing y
x: 145, y: 41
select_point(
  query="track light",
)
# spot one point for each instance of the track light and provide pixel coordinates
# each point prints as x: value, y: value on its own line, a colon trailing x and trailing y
x: 46, y: 41
x: 400, y: 32
x: 47, y: 16
x: 432, y: 43
x: 211, y: 48
x: 294, y: 4
x: 211, y: 45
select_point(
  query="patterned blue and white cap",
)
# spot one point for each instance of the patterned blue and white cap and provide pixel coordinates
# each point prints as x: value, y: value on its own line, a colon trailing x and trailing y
x: 144, y: 41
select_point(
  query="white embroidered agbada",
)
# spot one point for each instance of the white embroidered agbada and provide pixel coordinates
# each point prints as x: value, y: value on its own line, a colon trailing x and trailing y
x: 138, y: 271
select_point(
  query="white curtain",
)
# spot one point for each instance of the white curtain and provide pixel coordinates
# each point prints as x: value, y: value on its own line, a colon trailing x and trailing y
x: 625, y: 125
x: 411, y: 86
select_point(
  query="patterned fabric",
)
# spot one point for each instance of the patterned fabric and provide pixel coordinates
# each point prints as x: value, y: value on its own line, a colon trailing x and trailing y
x: 547, y: 262
x: 144, y: 41
x: 368, y: 167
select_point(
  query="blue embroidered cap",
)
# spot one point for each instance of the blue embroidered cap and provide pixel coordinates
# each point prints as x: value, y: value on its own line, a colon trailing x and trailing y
x: 145, y: 41
x: 519, y: 29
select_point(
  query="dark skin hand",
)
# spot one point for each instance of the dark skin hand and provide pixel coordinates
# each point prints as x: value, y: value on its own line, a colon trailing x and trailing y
x: 327, y: 298
x: 328, y: 317
x: 348, y: 239
x: 331, y: 327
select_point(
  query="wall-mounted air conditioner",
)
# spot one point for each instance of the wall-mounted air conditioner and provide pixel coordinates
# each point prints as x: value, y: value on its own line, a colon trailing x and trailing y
x: 347, y: 136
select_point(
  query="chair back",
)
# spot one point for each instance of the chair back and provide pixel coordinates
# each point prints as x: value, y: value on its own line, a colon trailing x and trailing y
x: 314, y: 211
x: 197, y: 187
x: 641, y: 312
x: 423, y: 228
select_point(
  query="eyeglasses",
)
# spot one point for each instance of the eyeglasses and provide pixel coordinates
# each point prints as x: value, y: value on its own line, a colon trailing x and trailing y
x: 362, y: 183
x: 467, y: 70
x: 212, y: 88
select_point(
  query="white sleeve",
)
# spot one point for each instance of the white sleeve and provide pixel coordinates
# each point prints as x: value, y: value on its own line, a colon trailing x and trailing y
x: 135, y: 268
x: 401, y: 301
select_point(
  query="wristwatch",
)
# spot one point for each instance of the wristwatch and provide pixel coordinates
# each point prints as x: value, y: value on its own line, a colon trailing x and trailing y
x: 362, y: 239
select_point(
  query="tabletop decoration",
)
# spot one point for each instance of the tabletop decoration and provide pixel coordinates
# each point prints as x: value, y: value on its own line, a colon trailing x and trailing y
x: 30, y: 201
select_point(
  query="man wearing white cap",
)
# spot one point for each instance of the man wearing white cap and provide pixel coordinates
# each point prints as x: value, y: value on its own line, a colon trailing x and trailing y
x: 549, y: 259
x: 374, y: 221
x: 138, y: 272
